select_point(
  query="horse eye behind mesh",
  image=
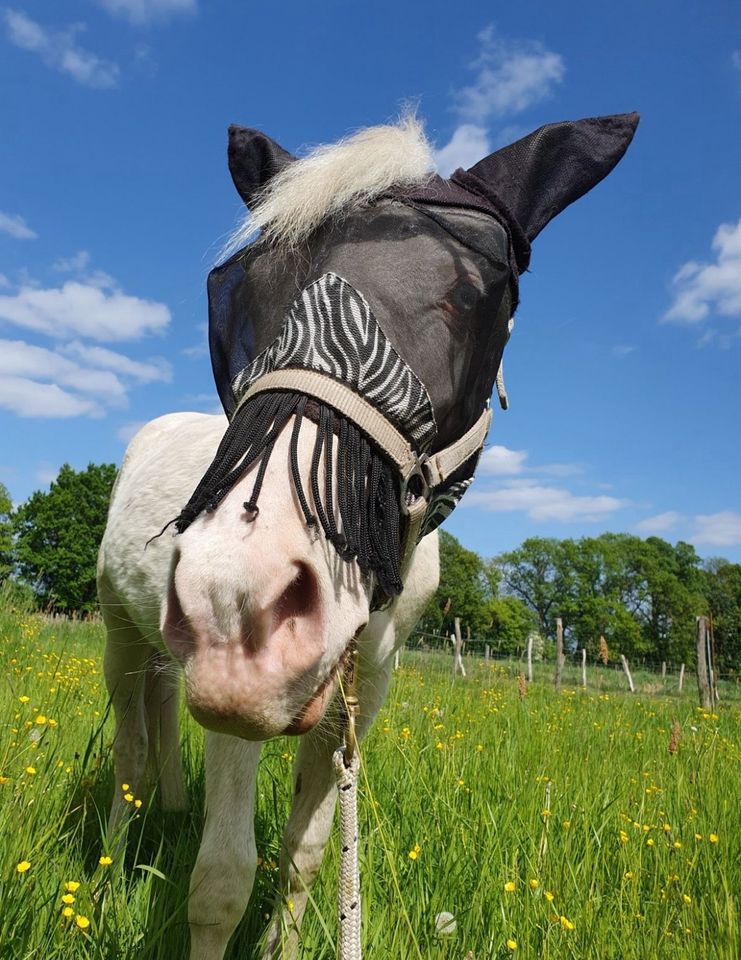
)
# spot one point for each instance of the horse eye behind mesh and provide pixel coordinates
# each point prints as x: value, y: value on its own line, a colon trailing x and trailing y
x: 462, y: 297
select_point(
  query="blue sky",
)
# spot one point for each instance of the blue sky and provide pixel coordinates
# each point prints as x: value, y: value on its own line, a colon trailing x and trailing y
x: 623, y: 369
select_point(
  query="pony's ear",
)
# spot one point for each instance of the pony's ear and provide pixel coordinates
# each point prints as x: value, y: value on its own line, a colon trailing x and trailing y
x: 539, y: 176
x: 253, y: 159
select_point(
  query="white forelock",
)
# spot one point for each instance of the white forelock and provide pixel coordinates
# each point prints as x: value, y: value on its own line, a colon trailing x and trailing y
x: 336, y: 178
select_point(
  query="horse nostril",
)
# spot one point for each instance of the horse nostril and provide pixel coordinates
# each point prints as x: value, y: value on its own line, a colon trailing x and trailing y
x: 299, y: 601
x: 176, y: 627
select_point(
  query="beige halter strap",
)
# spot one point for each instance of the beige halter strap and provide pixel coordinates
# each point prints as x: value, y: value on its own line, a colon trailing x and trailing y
x: 431, y: 470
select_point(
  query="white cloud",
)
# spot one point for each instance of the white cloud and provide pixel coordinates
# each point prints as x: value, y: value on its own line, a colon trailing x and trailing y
x: 155, y: 369
x: 15, y: 226
x: 660, y: 523
x: 724, y: 340
x: 28, y: 398
x: 95, y: 308
x: 560, y: 469
x: 95, y: 379
x: 198, y: 349
x: 74, y: 264
x: 541, y: 502
x: 4, y: 282
x: 194, y: 353
x: 502, y: 461
x: 466, y: 147
x: 721, y: 529
x: 622, y: 350
x: 21, y: 359
x: 144, y: 11
x: 202, y: 402
x: 60, y: 51
x: 700, y: 288
x: 74, y: 377
x: 511, y: 76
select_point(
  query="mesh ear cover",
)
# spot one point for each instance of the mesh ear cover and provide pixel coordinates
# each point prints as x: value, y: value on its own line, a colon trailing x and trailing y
x: 526, y: 184
x: 537, y: 177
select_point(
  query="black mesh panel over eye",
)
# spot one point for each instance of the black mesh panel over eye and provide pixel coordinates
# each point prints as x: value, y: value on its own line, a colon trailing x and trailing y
x: 232, y: 344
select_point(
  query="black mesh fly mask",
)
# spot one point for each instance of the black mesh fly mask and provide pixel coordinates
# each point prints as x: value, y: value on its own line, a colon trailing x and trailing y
x: 397, y: 451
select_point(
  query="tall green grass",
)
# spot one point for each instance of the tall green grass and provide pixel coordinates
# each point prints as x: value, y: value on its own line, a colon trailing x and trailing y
x: 559, y: 823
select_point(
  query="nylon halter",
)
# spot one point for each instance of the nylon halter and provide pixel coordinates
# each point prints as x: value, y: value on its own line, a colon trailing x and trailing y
x: 419, y: 473
x: 383, y: 487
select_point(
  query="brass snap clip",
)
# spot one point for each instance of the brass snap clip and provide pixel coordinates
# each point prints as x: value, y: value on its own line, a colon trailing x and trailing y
x: 352, y: 706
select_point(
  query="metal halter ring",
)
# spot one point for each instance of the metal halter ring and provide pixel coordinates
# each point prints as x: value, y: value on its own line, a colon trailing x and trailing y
x: 418, y: 471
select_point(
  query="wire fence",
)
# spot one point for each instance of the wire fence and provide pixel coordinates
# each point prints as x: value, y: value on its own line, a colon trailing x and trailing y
x: 650, y: 677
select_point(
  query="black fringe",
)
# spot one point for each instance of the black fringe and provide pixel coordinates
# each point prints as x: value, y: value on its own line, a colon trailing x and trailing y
x: 368, y: 526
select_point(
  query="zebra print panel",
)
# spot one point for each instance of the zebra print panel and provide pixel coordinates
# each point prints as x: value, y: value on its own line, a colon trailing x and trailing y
x: 330, y: 328
x: 442, y: 505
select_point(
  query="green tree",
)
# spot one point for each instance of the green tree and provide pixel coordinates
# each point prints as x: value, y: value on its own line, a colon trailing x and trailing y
x: 722, y: 588
x: 674, y: 599
x: 512, y: 622
x: 605, y: 590
x: 467, y: 585
x: 58, y: 533
x: 6, y: 534
x: 536, y: 574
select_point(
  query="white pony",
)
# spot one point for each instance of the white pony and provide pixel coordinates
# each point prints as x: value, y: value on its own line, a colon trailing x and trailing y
x: 373, y: 312
x: 302, y: 604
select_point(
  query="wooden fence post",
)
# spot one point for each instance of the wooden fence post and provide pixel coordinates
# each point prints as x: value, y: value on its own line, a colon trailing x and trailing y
x: 681, y: 678
x: 703, y: 684
x: 584, y: 667
x: 559, y: 652
x: 663, y: 669
x: 530, y: 659
x: 486, y: 651
x: 627, y: 673
x: 458, y: 645
x: 713, y: 660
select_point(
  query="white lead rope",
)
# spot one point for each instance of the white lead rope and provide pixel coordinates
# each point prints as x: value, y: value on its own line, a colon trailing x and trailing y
x: 349, y: 885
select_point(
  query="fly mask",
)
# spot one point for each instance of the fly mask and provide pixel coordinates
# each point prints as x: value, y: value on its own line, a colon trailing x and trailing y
x: 397, y: 450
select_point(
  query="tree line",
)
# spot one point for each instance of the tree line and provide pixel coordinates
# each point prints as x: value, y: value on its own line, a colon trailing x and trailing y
x: 641, y: 596
x: 49, y: 544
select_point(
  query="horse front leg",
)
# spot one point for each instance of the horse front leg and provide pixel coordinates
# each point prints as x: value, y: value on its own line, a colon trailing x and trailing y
x: 125, y: 668
x: 162, y: 702
x: 310, y: 823
x: 224, y: 873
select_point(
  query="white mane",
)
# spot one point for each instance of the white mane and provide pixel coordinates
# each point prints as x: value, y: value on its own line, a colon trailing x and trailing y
x: 334, y: 178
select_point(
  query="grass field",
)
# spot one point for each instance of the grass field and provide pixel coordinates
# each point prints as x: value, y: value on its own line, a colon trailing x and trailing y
x: 549, y: 826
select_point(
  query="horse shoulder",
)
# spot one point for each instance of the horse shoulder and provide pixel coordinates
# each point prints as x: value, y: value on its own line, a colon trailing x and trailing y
x: 420, y: 585
x: 161, y: 467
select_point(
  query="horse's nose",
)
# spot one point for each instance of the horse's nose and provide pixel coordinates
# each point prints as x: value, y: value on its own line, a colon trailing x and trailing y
x: 286, y: 619
x: 271, y: 607
x: 253, y: 642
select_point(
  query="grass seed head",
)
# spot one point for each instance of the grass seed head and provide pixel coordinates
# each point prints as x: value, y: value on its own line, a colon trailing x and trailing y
x: 674, y: 738
x: 604, y: 653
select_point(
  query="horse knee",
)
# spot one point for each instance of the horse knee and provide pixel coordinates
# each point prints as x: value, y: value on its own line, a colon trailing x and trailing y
x: 300, y: 866
x: 219, y: 893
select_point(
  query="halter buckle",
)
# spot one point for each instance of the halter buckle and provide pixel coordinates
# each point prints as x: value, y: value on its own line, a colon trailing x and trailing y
x: 418, y: 470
